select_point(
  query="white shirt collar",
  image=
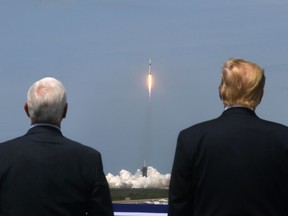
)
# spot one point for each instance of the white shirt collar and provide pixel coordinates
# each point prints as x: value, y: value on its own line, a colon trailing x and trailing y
x: 45, y: 124
x: 228, y: 107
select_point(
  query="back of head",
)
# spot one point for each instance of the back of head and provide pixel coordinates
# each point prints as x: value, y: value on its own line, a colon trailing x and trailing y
x: 46, y: 100
x: 242, y: 83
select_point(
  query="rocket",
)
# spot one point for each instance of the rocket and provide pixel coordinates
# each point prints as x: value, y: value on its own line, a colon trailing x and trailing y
x: 149, y: 66
x: 144, y: 169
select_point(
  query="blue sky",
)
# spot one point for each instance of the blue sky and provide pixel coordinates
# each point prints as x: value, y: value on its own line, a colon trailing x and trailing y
x: 100, y: 50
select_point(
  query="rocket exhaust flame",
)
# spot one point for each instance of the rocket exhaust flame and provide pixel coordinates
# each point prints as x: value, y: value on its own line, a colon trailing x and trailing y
x: 149, y: 85
x: 149, y: 81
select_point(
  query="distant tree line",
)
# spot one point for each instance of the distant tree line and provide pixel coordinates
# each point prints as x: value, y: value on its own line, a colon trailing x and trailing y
x: 125, y: 193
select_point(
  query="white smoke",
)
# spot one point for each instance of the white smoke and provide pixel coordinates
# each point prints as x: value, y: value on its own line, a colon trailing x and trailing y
x: 126, y: 180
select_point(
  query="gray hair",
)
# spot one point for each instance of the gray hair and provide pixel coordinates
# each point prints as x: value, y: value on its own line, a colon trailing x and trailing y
x: 46, y: 100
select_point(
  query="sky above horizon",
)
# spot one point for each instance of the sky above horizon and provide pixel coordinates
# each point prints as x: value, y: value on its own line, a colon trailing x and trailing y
x: 100, y: 50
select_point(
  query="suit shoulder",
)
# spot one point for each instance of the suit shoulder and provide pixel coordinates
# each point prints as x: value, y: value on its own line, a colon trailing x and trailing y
x: 198, y: 127
x: 274, y: 125
x: 11, y: 142
x: 80, y: 147
x: 277, y: 124
x: 196, y: 132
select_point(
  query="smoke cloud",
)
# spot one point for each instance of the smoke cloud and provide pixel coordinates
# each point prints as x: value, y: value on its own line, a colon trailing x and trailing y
x: 126, y: 180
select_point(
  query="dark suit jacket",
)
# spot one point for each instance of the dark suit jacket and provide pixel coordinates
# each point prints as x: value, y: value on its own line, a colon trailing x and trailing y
x: 45, y: 174
x: 236, y: 164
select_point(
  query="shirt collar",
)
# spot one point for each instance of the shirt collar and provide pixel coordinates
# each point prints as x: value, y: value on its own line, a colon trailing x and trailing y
x: 228, y: 107
x: 45, y: 124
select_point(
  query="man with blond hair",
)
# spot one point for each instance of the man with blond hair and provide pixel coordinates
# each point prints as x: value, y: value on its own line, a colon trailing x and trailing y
x: 45, y: 174
x: 236, y: 164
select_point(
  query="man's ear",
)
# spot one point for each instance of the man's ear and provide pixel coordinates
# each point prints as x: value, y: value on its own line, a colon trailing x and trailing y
x: 65, y: 111
x: 26, y: 109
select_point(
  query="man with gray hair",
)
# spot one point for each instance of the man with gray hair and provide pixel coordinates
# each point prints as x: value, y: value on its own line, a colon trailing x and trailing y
x: 44, y: 173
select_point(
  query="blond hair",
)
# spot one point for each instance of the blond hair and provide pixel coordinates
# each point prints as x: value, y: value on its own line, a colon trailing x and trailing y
x: 242, y: 83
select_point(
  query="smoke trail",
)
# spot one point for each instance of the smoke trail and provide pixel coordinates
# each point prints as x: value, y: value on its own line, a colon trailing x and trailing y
x: 146, y: 146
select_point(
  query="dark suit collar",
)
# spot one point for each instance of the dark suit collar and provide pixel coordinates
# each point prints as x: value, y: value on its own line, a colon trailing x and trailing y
x: 239, y: 110
x: 44, y: 129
